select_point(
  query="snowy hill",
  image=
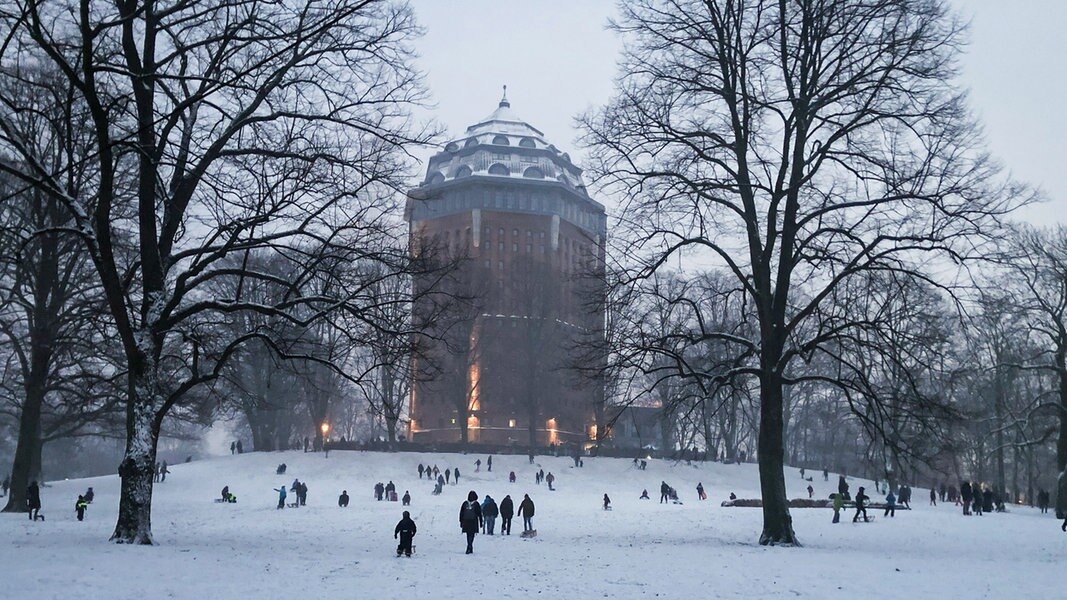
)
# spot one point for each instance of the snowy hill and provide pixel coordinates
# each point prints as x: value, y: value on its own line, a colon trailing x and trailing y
x: 639, y: 549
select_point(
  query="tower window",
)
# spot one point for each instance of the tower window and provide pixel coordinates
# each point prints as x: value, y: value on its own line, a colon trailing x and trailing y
x: 499, y: 169
x: 533, y: 173
x: 501, y: 140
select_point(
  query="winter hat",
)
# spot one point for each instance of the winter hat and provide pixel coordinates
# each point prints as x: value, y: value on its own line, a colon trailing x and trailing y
x: 407, y: 515
x: 472, y: 496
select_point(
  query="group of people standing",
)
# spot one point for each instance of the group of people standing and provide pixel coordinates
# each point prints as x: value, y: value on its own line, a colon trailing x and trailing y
x: 473, y: 516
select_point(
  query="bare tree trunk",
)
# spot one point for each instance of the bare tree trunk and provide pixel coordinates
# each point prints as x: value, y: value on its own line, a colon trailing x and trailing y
x: 777, y: 522
x: 27, y: 464
x: 137, y: 470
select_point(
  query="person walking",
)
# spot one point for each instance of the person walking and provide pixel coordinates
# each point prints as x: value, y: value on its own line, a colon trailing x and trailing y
x: 420, y: 470
x: 550, y: 478
x: 507, y: 511
x: 342, y: 500
x: 80, y: 506
x: 811, y: 491
x: 470, y: 518
x: 489, y: 514
x: 407, y: 498
x: 664, y: 492
x: 478, y: 465
x: 890, y: 505
x: 607, y: 502
x: 966, y: 496
x: 163, y: 472
x: 233, y: 448
x: 455, y: 476
x: 839, y: 503
x: 405, y: 530
x: 700, y: 491
x: 489, y: 464
x: 448, y: 475
x: 33, y: 500
x: 861, y: 506
x: 933, y: 497
x: 240, y: 448
x: 526, y: 511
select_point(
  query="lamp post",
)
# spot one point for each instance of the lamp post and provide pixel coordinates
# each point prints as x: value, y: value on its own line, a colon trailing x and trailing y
x: 325, y: 428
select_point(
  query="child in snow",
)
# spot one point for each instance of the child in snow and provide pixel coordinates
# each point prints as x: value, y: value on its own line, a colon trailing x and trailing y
x: 342, y: 500
x: 511, y: 477
x: 700, y: 492
x: 890, y: 505
x: 607, y: 502
x: 281, y: 496
x: 80, y: 506
x: 644, y: 495
x: 839, y: 503
x: 407, y: 498
x: 405, y: 530
x: 861, y: 506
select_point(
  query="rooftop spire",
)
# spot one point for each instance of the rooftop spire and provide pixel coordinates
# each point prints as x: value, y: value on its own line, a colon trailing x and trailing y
x: 504, y: 99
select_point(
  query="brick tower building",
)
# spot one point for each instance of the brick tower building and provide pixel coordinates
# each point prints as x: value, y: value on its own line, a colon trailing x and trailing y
x: 529, y: 242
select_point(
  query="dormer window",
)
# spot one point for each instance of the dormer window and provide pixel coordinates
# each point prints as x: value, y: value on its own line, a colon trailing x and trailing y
x: 501, y: 140
x: 499, y: 169
x: 534, y: 173
x: 527, y: 143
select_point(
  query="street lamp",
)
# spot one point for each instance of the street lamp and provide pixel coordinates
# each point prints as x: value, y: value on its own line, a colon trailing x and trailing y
x: 325, y: 428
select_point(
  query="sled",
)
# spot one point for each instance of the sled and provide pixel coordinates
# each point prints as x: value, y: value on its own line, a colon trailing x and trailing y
x: 529, y: 534
x: 293, y: 505
x: 870, y: 519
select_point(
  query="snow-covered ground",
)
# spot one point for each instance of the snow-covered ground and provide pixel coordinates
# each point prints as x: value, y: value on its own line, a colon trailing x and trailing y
x: 639, y: 549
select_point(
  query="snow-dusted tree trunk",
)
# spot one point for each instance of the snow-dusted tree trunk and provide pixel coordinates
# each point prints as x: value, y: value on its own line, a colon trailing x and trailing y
x: 138, y: 467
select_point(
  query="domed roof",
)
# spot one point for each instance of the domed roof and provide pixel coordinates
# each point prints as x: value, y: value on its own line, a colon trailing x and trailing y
x: 504, y: 120
x: 504, y: 145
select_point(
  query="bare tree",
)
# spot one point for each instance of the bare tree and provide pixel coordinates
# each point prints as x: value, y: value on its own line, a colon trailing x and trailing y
x: 1038, y: 268
x: 51, y: 308
x: 792, y: 143
x: 244, y: 125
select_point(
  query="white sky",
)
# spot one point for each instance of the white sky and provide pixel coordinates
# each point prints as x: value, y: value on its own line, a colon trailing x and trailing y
x: 558, y: 60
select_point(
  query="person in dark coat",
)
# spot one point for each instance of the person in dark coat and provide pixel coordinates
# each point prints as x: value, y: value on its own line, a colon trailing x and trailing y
x: 80, y: 506
x: 861, y: 506
x: 842, y: 487
x: 965, y: 495
x: 607, y: 502
x: 240, y: 448
x: 507, y: 511
x: 811, y: 491
x: 489, y: 464
x: 89, y: 495
x: 342, y: 500
x: 1042, y: 501
x: 448, y: 475
x: 379, y: 491
x: 455, y: 476
x: 664, y: 492
x: 987, y: 500
x: 489, y: 514
x: 407, y: 498
x: 526, y: 511
x: 470, y: 519
x: 421, y: 469
x: 700, y: 492
x: 890, y: 505
x: 405, y: 530
x: 33, y: 500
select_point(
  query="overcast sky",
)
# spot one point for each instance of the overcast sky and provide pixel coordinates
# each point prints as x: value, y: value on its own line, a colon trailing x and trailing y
x: 558, y: 60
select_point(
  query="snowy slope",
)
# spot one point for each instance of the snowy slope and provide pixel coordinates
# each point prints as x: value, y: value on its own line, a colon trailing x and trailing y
x: 639, y: 549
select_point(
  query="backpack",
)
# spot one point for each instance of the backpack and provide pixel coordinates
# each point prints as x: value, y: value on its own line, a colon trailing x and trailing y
x: 467, y: 513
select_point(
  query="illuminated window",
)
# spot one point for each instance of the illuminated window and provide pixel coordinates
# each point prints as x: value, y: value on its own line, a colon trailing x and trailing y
x: 511, y: 423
